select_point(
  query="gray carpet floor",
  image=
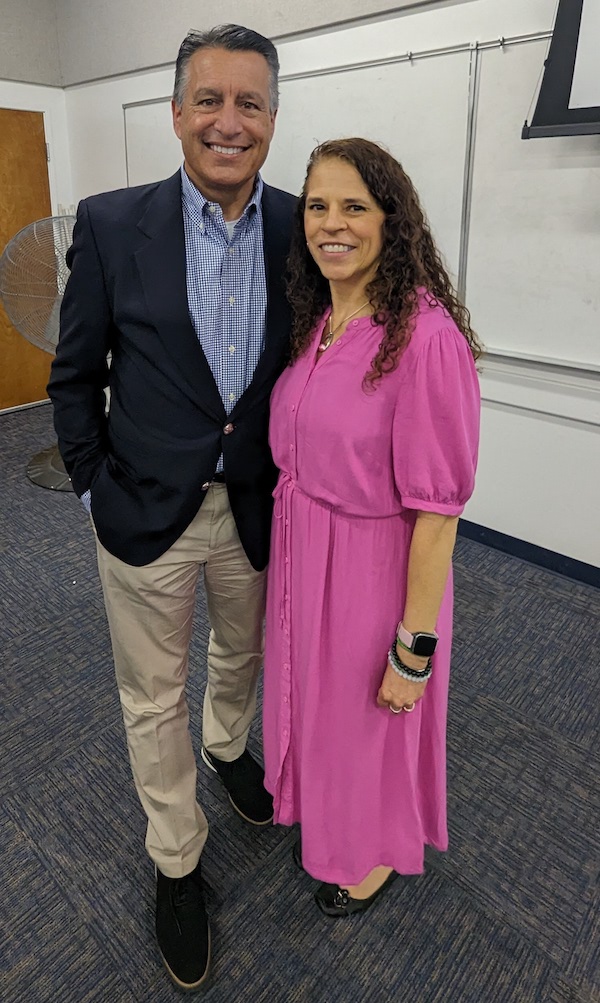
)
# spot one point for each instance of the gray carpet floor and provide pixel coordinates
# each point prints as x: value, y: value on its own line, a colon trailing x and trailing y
x: 509, y: 915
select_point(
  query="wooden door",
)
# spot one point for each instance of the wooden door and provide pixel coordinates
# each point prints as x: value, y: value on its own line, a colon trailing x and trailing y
x: 24, y: 197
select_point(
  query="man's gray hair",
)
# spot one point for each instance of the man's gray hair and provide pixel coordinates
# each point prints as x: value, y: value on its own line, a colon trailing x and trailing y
x: 234, y: 38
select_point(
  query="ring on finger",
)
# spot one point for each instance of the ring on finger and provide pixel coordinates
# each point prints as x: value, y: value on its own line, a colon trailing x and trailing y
x: 409, y: 707
x: 395, y: 710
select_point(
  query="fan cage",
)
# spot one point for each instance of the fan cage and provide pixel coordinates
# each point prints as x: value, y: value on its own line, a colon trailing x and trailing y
x: 33, y: 276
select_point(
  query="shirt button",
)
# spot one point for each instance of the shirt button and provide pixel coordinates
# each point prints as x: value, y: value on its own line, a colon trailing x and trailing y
x: 231, y: 349
x: 212, y: 209
x: 293, y: 407
x: 291, y: 447
x: 228, y: 429
x: 286, y: 699
x: 232, y: 250
x: 231, y: 300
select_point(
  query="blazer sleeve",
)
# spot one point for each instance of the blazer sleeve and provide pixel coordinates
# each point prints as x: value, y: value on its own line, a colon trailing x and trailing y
x: 80, y: 371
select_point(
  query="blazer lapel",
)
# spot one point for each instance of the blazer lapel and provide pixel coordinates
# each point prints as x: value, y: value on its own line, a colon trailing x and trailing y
x: 277, y: 233
x: 162, y: 268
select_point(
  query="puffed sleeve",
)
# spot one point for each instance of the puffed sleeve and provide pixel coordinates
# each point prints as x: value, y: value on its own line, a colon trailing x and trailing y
x: 436, y: 425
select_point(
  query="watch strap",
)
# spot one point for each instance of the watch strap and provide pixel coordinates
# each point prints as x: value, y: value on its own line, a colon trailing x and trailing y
x: 407, y: 640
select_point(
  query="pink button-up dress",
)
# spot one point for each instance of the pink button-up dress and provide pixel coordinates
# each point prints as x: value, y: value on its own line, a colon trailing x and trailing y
x: 367, y: 786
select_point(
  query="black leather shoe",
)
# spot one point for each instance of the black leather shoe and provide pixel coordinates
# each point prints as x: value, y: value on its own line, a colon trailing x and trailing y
x: 243, y: 779
x: 182, y: 929
x: 335, y: 901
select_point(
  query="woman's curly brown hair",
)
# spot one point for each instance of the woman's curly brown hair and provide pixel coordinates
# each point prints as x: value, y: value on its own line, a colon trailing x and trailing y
x: 409, y: 260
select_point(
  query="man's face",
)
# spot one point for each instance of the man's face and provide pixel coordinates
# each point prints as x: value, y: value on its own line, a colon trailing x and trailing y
x: 225, y: 123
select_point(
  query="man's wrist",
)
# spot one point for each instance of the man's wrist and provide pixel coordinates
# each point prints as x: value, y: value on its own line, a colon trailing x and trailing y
x: 86, y: 501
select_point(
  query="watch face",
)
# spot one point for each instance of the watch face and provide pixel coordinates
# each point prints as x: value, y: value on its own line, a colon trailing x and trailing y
x: 424, y: 644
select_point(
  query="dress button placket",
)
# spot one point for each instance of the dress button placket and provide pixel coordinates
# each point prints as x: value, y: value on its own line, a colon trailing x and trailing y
x: 283, y: 500
x: 283, y: 506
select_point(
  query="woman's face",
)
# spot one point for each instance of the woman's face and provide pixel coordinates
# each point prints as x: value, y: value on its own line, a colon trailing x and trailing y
x: 343, y: 223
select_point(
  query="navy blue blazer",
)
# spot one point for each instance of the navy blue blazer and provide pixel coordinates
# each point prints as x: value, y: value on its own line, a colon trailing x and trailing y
x: 146, y: 461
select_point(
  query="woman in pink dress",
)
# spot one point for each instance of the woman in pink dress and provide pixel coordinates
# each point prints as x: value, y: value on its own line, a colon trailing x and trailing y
x: 374, y: 427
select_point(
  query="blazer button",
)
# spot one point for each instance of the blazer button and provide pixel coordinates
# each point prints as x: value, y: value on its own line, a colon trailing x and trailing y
x: 228, y: 429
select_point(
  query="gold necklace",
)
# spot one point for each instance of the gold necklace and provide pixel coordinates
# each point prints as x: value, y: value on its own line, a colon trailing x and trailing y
x: 327, y: 340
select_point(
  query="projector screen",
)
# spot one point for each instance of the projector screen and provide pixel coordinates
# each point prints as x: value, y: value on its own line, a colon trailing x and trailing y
x: 585, y: 91
x: 569, y: 100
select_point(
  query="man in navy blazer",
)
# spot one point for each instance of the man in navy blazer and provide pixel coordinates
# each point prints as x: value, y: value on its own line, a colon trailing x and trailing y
x: 176, y: 304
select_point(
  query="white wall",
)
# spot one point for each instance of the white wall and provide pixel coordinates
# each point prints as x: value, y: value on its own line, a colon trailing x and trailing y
x: 96, y: 110
x: 97, y: 128
x: 539, y: 476
x: 52, y: 103
x: 539, y: 469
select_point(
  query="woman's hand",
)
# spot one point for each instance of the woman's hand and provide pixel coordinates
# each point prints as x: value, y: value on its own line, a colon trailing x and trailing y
x: 395, y: 691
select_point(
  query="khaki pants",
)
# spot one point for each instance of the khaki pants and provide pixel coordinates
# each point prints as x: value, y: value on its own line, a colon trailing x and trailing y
x: 150, y: 612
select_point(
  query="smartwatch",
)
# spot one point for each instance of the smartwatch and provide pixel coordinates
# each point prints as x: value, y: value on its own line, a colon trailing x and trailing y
x: 420, y: 643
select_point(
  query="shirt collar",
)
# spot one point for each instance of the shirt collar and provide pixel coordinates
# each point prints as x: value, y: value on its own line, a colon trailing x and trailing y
x: 194, y: 199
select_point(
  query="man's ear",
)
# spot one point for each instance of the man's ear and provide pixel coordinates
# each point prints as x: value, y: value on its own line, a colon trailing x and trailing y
x: 176, y: 113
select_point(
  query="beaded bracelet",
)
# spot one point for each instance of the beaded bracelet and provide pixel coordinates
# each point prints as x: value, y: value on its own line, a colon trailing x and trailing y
x: 413, y: 675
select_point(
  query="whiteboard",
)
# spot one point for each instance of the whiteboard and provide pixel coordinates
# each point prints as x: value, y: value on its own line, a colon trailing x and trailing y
x: 533, y: 276
x: 153, y: 150
x: 533, y: 251
x: 417, y: 110
x: 585, y: 89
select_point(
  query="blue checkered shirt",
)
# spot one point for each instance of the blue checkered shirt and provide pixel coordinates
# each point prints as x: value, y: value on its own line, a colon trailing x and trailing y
x: 226, y: 287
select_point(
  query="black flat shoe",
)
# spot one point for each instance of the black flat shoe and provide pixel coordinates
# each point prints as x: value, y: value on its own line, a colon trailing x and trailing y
x: 297, y: 854
x: 243, y: 779
x: 335, y: 901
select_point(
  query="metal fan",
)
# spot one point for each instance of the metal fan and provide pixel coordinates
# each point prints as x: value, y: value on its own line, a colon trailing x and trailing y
x: 33, y: 276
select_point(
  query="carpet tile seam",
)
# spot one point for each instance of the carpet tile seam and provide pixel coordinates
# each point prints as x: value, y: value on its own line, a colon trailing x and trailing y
x: 478, y: 905
x: 592, y: 757
x: 23, y: 785
x: 83, y: 923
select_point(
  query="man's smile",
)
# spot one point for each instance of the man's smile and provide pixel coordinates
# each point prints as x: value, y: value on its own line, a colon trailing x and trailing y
x: 227, y: 150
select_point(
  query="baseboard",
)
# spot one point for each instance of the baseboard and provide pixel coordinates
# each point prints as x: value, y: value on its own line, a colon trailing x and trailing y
x: 567, y: 566
x: 23, y: 407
